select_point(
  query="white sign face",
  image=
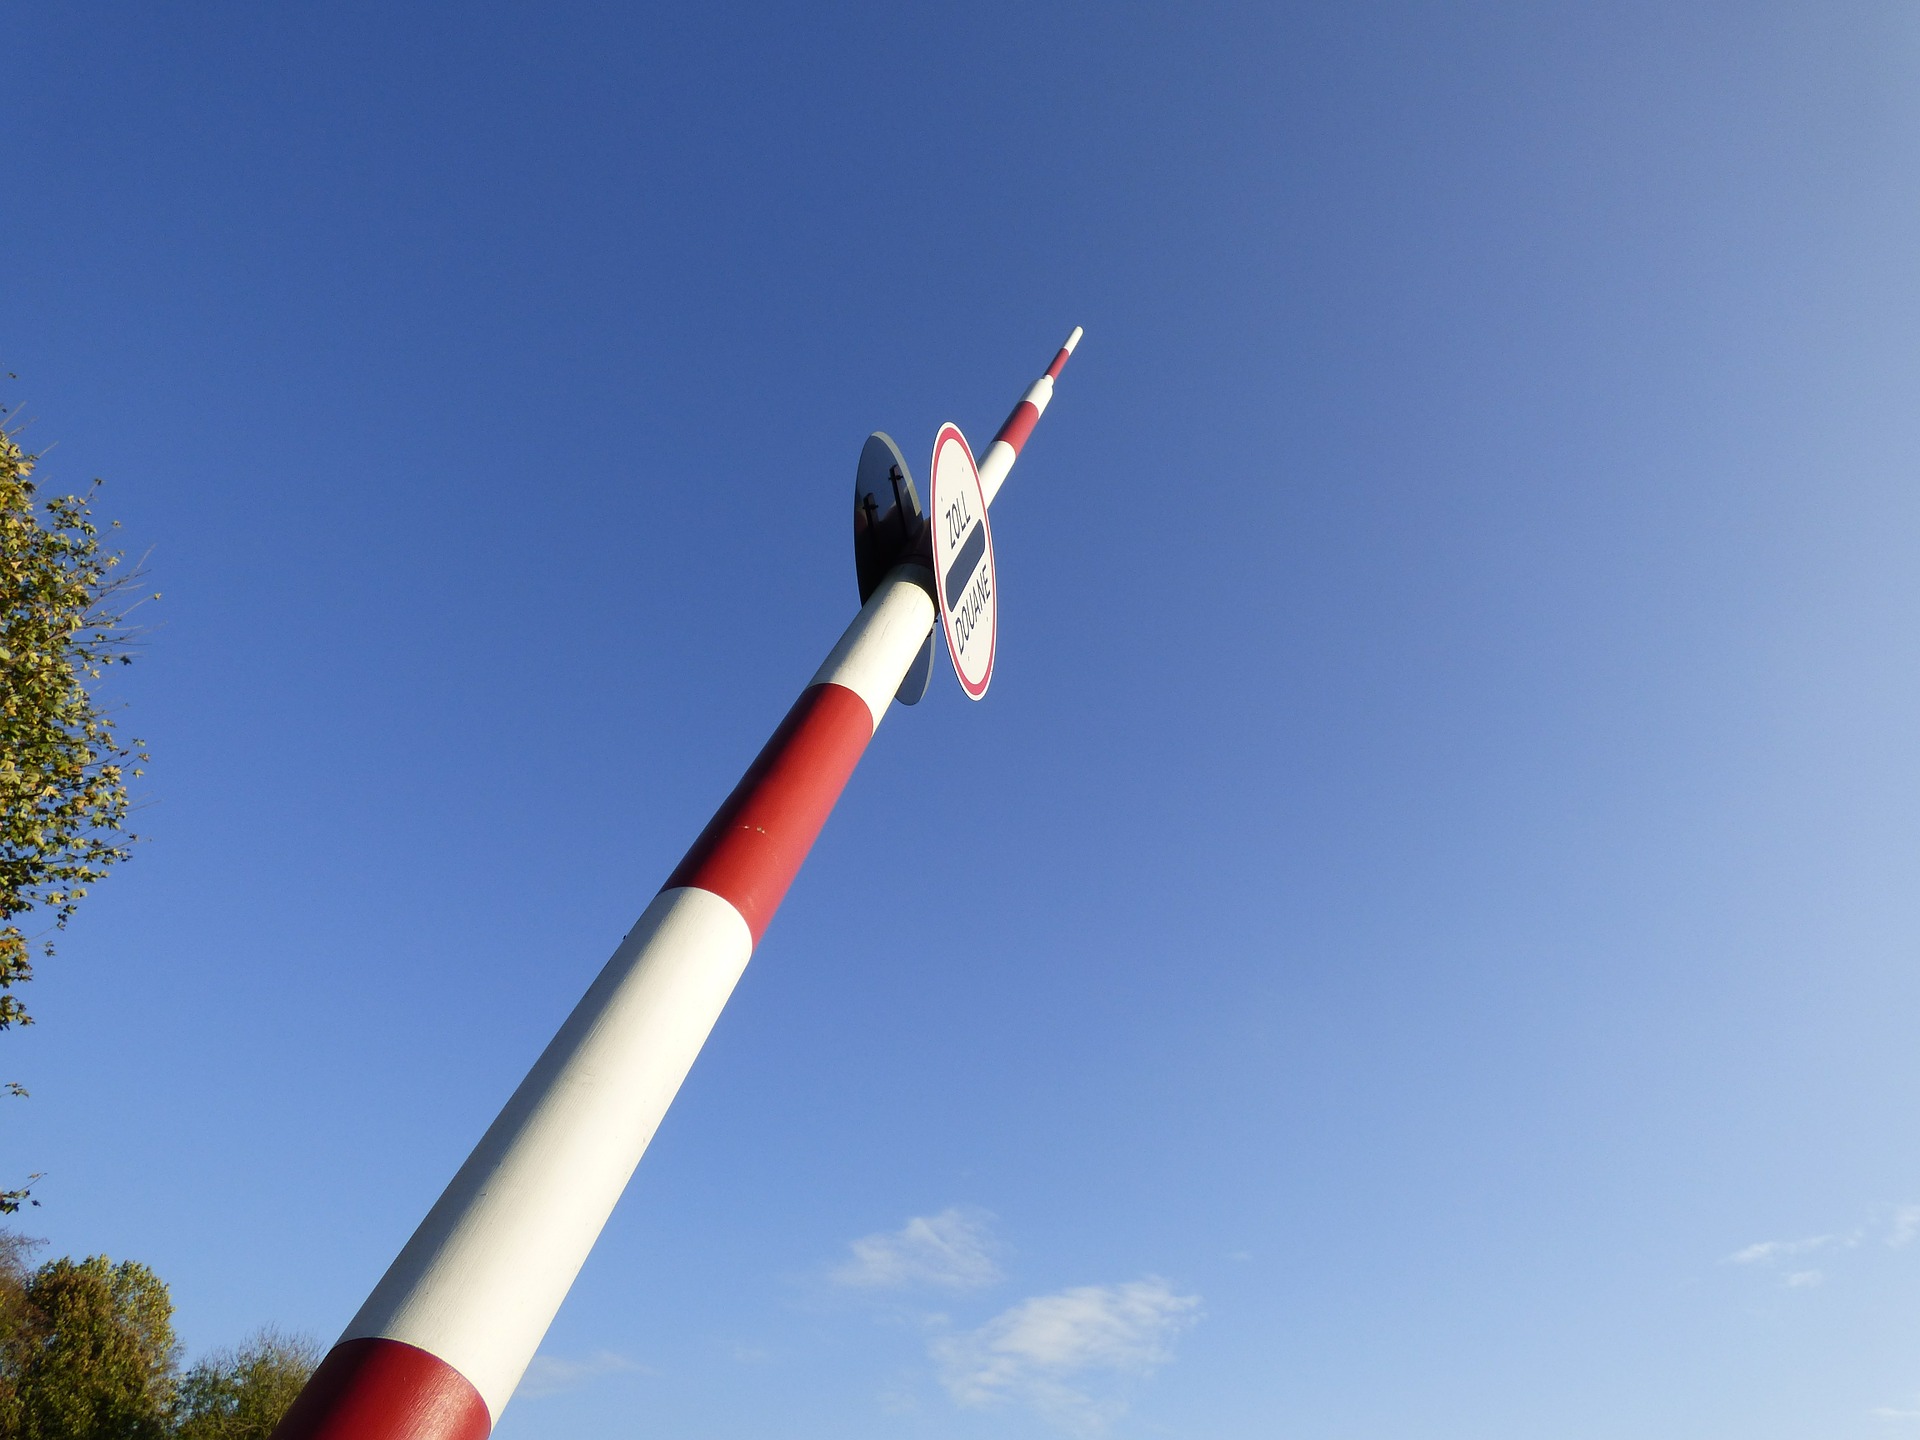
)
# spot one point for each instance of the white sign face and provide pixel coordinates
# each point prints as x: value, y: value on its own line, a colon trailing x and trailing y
x: 962, y: 560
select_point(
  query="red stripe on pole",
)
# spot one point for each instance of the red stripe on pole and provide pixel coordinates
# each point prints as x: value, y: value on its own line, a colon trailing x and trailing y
x: 381, y: 1389
x: 1059, y: 364
x: 1019, y: 425
x: 752, y: 849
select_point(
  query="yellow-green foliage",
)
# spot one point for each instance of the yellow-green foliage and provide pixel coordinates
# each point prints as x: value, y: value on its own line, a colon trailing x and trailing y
x: 91, y: 1354
x: 63, y: 770
x: 242, y: 1394
x: 87, y: 1353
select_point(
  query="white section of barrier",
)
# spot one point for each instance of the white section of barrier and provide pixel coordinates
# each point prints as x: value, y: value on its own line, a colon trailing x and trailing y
x: 873, y: 655
x: 994, y: 466
x: 480, y: 1280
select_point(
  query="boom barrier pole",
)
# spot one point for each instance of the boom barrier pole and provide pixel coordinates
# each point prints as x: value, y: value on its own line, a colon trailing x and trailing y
x: 436, y: 1351
x: 1012, y: 435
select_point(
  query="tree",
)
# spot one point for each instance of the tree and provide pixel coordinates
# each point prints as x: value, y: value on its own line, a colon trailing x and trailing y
x: 20, y: 1324
x: 94, y: 1357
x: 64, y: 604
x: 87, y: 1353
x: 242, y: 1394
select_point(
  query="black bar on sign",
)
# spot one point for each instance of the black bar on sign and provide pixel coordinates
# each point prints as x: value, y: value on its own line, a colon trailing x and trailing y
x: 964, y: 564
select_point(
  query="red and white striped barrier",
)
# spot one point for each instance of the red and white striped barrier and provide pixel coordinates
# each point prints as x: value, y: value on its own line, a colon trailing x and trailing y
x: 436, y: 1351
x: 1007, y: 444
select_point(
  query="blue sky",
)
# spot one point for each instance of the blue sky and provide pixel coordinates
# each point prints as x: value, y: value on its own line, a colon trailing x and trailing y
x: 1447, y: 812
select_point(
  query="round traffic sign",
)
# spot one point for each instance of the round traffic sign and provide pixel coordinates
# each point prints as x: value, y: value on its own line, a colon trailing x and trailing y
x: 963, y: 560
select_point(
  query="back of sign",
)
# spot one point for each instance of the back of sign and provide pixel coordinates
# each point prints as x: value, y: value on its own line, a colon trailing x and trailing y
x: 889, y: 528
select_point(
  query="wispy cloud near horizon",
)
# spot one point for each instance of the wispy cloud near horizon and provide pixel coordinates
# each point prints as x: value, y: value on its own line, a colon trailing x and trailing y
x: 1067, y: 1355
x: 954, y: 1250
x: 1768, y: 1251
x: 1894, y: 1227
x: 1904, y: 1228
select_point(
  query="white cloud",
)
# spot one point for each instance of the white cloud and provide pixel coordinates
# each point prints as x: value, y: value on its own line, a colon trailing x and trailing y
x: 1895, y: 1227
x: 1888, y: 1412
x: 1065, y: 1354
x: 1767, y: 1251
x: 953, y: 1250
x: 551, y: 1374
x: 1904, y: 1228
